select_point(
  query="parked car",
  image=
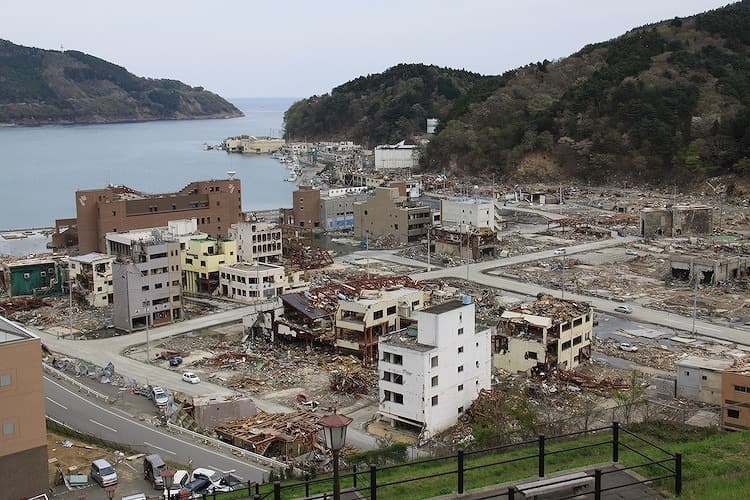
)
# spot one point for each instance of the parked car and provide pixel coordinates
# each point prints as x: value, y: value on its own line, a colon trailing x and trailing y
x: 191, y: 377
x: 630, y: 251
x: 195, y: 486
x: 103, y: 473
x: 624, y: 309
x: 160, y: 396
x: 179, y: 480
x: 218, y: 482
x: 175, y: 361
x: 559, y: 251
x: 136, y: 496
x: 628, y: 347
x: 153, y: 466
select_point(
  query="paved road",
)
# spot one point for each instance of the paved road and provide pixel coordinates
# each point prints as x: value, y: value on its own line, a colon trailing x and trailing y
x: 86, y: 416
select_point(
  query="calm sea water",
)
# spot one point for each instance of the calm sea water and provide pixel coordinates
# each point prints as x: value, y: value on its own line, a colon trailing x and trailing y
x: 42, y: 167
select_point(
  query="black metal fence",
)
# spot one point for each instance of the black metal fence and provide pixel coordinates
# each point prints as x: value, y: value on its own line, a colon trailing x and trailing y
x: 371, y: 481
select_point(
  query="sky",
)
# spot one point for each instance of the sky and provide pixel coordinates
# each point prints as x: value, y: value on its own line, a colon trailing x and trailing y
x: 296, y: 48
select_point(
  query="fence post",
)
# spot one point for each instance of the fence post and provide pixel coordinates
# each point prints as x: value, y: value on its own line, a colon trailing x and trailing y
x: 511, y: 493
x: 354, y: 477
x: 276, y: 490
x: 373, y: 482
x: 541, y: 455
x: 615, y: 441
x: 257, y: 491
x: 597, y: 484
x: 307, y: 484
x: 460, y: 471
x: 678, y: 474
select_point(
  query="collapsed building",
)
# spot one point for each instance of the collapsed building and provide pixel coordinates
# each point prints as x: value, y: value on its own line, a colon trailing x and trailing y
x: 710, y: 271
x: 679, y: 220
x: 283, y: 435
x: 540, y: 336
x: 457, y: 241
x: 91, y: 277
x: 353, y: 315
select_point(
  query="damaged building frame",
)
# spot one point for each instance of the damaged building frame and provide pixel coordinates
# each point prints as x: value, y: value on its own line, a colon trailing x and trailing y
x: 540, y: 336
x: 710, y: 271
x: 351, y: 316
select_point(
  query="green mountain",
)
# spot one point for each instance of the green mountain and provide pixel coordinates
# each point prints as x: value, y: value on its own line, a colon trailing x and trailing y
x: 667, y: 102
x: 382, y: 108
x: 46, y: 86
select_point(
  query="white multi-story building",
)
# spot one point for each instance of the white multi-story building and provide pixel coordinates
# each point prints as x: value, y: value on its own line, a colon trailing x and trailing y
x: 240, y: 281
x: 474, y: 212
x: 430, y: 375
x: 92, y: 277
x: 257, y: 240
x: 396, y: 157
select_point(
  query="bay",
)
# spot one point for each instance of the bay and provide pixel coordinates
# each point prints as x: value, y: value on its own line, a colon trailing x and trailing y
x: 42, y: 167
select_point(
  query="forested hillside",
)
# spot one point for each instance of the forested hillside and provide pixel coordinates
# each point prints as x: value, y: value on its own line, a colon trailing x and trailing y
x: 382, y: 108
x: 46, y: 86
x: 664, y: 102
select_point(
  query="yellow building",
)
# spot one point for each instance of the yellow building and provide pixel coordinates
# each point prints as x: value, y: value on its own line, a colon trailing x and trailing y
x: 201, y: 260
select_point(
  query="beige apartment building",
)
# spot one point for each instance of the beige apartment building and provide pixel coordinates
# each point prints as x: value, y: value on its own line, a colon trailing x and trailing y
x: 23, y: 435
x: 542, y: 335
x: 387, y: 212
x: 257, y: 240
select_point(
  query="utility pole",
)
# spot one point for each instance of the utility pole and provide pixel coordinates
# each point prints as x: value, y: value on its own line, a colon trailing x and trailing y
x: 562, y: 284
x: 695, y: 299
x: 70, y: 301
x: 429, y: 266
x: 148, y: 343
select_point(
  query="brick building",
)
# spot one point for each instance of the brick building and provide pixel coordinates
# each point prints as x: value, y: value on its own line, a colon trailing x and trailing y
x: 216, y: 204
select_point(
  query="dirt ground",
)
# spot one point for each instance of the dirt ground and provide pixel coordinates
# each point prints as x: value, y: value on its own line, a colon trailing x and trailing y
x: 76, y: 458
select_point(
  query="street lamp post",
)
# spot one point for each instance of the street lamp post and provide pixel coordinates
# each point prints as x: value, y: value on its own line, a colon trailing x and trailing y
x: 429, y: 266
x: 334, y: 429
x: 148, y: 344
x: 562, y: 284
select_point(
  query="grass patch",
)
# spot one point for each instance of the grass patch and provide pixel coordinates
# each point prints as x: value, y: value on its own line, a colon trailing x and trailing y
x: 714, y: 466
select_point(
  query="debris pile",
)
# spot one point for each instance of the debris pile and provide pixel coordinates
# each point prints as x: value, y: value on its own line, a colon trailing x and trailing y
x: 280, y: 435
x: 357, y: 381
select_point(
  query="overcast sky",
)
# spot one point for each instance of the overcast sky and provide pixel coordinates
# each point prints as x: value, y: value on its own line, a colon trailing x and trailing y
x: 246, y: 48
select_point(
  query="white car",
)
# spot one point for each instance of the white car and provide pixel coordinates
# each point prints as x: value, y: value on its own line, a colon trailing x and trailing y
x: 627, y: 347
x: 624, y: 309
x: 630, y: 251
x: 179, y: 480
x: 191, y: 377
x: 160, y: 396
x: 218, y: 482
x: 559, y: 251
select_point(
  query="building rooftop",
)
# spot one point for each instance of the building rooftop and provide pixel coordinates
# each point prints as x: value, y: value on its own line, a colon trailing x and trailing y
x: 371, y: 297
x: 406, y: 338
x: 469, y: 201
x: 444, y: 307
x: 30, y: 262
x: 253, y: 266
x: 13, y: 332
x: 707, y: 364
x: 554, y: 308
x: 92, y: 257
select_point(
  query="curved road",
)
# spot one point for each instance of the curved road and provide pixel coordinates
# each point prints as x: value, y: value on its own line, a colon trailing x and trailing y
x: 74, y: 410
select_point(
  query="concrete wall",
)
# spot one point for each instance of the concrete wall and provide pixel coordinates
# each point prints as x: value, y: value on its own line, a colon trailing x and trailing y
x: 735, y: 391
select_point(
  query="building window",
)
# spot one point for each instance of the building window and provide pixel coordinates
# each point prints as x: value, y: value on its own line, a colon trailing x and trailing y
x: 42, y: 274
x: 387, y: 376
x: 434, y: 361
x: 434, y: 381
x: 731, y: 413
x: 6, y: 380
x: 566, y: 345
x: 460, y: 410
x: 530, y: 355
x: 434, y: 400
x: 377, y: 314
x: 9, y: 428
x: 387, y: 357
x: 460, y: 349
x: 740, y: 388
x: 460, y: 368
x: 477, y: 363
x: 398, y: 359
x: 704, y: 377
x: 391, y: 310
x: 460, y: 331
x: 577, y: 340
x: 415, y: 304
x: 461, y: 387
x: 144, y: 288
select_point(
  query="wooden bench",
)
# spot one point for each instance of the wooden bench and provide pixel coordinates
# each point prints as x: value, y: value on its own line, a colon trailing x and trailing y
x: 568, y: 484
